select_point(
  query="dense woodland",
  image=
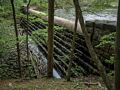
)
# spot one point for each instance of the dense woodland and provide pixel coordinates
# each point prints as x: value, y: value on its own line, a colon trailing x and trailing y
x: 59, y: 44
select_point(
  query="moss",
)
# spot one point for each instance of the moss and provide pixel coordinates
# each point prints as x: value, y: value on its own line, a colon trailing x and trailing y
x: 42, y: 34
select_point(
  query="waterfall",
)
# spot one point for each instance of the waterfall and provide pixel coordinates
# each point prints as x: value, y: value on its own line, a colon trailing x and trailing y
x: 42, y: 59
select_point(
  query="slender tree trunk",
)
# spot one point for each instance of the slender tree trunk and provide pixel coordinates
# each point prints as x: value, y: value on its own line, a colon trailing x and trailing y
x: 91, y: 49
x: 117, y: 52
x: 27, y: 31
x: 50, y: 37
x: 72, y: 49
x: 17, y: 39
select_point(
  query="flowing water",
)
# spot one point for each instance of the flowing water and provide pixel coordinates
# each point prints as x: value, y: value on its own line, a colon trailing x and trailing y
x: 42, y: 59
x: 105, y: 15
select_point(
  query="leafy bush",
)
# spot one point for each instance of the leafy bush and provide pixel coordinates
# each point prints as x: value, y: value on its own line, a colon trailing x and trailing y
x: 7, y: 39
x: 107, y: 40
x: 41, y: 34
x: 111, y: 60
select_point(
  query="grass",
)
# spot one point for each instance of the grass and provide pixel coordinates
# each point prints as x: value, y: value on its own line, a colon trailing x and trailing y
x: 47, y: 84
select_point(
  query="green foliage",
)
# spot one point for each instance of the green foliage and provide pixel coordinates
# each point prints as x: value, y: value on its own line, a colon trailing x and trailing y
x: 7, y: 45
x: 97, y: 5
x: 59, y: 28
x: 41, y: 4
x: 111, y: 60
x: 7, y: 39
x: 22, y: 39
x: 78, y: 71
x: 64, y: 4
x: 8, y: 55
x: 42, y: 35
x: 6, y: 8
x: 34, y: 18
x: 102, y: 3
x: 20, y: 15
x: 107, y: 40
x: 88, y: 5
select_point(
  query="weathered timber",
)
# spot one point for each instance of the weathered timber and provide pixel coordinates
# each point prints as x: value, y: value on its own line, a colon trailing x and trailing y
x: 62, y: 40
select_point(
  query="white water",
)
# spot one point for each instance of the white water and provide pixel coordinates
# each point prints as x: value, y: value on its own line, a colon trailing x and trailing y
x: 99, y: 17
x: 105, y: 15
x: 33, y: 47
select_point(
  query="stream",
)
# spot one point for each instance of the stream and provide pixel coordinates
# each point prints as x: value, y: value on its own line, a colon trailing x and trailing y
x: 105, y: 15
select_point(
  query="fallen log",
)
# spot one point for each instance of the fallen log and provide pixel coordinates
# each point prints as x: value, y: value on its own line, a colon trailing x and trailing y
x: 57, y: 20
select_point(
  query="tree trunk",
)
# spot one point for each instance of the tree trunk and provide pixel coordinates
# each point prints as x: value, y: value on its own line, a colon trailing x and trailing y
x: 17, y: 39
x: 91, y: 49
x: 72, y: 49
x: 50, y: 37
x: 27, y: 31
x: 117, y: 52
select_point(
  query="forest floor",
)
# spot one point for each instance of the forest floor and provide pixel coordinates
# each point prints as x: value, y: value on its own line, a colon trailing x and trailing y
x: 51, y: 84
